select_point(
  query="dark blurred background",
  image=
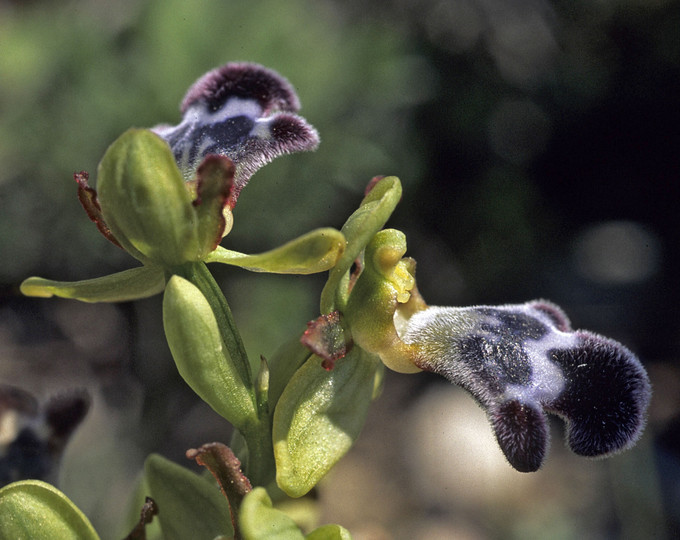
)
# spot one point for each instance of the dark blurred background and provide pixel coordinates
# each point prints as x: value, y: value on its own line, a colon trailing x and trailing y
x: 538, y: 145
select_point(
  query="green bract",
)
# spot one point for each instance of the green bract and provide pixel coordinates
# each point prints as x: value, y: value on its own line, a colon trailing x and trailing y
x: 318, y: 417
x: 190, y: 506
x: 35, y: 510
x: 201, y: 356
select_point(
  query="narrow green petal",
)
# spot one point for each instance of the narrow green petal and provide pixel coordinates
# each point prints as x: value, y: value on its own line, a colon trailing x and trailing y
x: 36, y: 510
x: 374, y: 211
x: 132, y: 284
x: 313, y: 252
x: 261, y: 521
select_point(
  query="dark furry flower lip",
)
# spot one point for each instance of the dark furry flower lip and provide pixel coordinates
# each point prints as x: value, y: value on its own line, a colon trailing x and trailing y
x: 243, y: 111
x: 521, y: 361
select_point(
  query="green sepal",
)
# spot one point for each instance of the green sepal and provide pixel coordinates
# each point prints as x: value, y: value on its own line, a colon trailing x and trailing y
x: 372, y: 214
x: 329, y: 532
x: 316, y: 251
x: 145, y: 202
x: 318, y: 418
x: 35, y: 510
x: 189, y: 505
x: 133, y: 284
x: 259, y: 520
x: 201, y: 356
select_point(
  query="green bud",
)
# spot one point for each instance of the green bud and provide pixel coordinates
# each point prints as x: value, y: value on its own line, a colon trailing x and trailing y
x: 190, y: 505
x: 318, y: 418
x: 201, y: 356
x: 36, y: 510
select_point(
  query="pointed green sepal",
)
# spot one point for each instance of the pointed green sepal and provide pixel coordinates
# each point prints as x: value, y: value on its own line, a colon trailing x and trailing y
x: 374, y: 211
x: 261, y: 521
x: 318, y: 418
x: 144, y: 200
x: 189, y: 505
x: 133, y: 284
x: 329, y: 532
x: 316, y: 251
x: 201, y: 356
x: 36, y: 510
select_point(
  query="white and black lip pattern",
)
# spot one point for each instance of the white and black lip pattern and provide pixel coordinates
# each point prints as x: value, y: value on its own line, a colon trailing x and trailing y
x: 519, y: 361
x: 243, y: 111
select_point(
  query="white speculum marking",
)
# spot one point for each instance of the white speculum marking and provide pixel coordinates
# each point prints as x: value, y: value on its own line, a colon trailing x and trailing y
x: 197, y: 116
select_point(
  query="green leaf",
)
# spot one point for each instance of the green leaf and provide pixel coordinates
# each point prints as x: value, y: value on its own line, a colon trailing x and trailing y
x: 313, y: 252
x: 35, y: 510
x: 318, y: 418
x: 144, y: 200
x: 329, y: 532
x: 201, y: 357
x: 189, y: 505
x: 124, y: 286
x: 261, y: 521
x: 374, y: 211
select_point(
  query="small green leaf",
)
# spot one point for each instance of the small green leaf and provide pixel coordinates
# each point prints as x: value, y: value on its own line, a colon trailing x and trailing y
x: 144, y: 200
x: 374, y: 211
x: 329, y: 532
x: 261, y: 521
x: 318, y: 418
x: 201, y: 357
x: 189, y: 505
x: 35, y: 510
x: 313, y: 252
x: 133, y: 284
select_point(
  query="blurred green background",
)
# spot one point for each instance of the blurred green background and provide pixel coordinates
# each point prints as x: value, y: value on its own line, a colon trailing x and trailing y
x: 538, y: 144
